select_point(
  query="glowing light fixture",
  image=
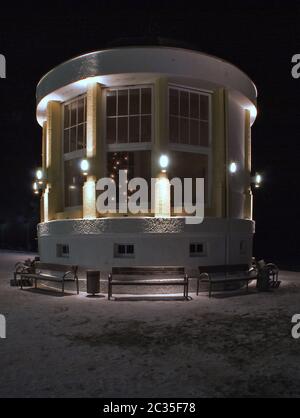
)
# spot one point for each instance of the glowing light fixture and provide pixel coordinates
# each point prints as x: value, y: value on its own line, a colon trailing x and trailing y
x: 257, y: 180
x: 85, y: 166
x: 164, y: 162
x: 233, y: 167
x: 39, y: 174
x: 35, y: 187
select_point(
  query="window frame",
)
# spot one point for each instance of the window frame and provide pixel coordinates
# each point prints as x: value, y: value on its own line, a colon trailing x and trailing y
x: 196, y: 149
x: 73, y: 155
x: 196, y: 253
x: 117, y: 254
x: 67, y: 103
x: 59, y: 250
x: 129, y: 146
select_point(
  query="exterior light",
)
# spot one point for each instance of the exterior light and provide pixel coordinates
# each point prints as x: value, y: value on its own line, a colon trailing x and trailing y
x: 233, y: 168
x: 39, y: 174
x: 257, y: 180
x: 35, y: 187
x: 85, y: 166
x: 164, y: 162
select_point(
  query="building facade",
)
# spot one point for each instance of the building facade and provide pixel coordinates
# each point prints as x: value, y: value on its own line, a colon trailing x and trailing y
x: 123, y: 108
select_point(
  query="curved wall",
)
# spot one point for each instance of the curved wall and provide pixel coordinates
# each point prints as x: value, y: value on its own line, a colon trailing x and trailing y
x: 157, y: 242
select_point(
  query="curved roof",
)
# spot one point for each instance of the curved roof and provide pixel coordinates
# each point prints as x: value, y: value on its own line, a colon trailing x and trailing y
x: 110, y: 65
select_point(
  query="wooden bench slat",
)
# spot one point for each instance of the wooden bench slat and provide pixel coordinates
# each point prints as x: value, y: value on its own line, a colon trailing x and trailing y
x: 64, y: 269
x: 148, y: 283
x: 231, y: 268
x: 149, y: 271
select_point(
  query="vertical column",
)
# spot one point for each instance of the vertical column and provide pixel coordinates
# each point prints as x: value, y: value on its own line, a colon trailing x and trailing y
x: 54, y: 163
x: 219, y: 146
x: 44, y: 144
x: 46, y: 204
x: 95, y: 149
x: 161, y: 130
x: 162, y: 197
x: 160, y: 143
x: 248, y: 205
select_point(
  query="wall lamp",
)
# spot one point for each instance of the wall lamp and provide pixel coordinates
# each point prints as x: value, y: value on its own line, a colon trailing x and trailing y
x: 257, y: 180
x: 233, y: 167
x: 39, y: 181
x: 85, y: 167
x: 164, y: 163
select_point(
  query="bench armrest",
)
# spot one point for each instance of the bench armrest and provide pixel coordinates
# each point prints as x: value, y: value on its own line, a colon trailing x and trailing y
x: 204, y: 276
x: 252, y: 270
x: 68, y: 273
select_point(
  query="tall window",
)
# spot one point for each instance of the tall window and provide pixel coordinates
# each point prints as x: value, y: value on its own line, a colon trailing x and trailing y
x: 74, y: 149
x: 129, y: 115
x: 189, y: 117
x: 75, y: 125
x: 73, y: 183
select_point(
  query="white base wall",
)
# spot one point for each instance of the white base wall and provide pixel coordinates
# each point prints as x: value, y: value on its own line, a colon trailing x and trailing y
x: 157, y: 242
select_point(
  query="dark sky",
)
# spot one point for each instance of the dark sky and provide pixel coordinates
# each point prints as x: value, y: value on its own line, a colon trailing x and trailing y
x: 259, y: 37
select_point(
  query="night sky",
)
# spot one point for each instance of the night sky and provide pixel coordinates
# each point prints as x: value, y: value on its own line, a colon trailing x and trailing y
x: 259, y: 37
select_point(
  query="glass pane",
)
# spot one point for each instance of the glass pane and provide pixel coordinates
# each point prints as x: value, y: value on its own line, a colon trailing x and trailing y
x: 184, y: 103
x: 80, y: 111
x: 204, y: 107
x: 194, y: 105
x: 184, y: 131
x: 174, y: 102
x: 84, y: 134
x: 80, y: 137
x: 123, y: 102
x: 73, y: 113
x: 111, y: 130
x: 134, y: 101
x: 67, y: 116
x: 73, y: 183
x: 111, y: 103
x: 194, y: 140
x: 134, y: 129
x: 123, y: 130
x: 121, y: 249
x: 174, y: 129
x: 146, y: 101
x: 66, y: 141
x: 146, y: 129
x: 204, y: 134
x: 130, y: 249
x: 73, y: 139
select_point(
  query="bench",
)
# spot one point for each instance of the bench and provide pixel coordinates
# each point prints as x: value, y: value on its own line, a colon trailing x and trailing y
x: 243, y: 274
x: 64, y: 273
x: 22, y: 268
x: 181, y: 280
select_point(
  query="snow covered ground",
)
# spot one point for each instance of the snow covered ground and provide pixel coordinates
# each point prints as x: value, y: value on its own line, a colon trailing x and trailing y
x: 231, y: 345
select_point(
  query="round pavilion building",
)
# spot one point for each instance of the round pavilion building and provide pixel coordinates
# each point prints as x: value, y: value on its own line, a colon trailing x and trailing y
x: 122, y: 109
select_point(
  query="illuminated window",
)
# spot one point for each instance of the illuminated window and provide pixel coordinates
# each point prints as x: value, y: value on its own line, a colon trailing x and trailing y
x: 75, y: 125
x: 136, y: 163
x: 129, y: 115
x: 189, y: 117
